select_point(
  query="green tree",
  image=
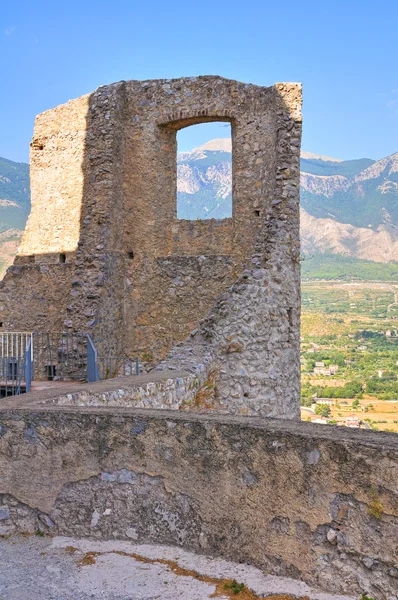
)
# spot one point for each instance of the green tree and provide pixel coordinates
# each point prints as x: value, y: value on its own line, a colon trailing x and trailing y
x: 322, y: 410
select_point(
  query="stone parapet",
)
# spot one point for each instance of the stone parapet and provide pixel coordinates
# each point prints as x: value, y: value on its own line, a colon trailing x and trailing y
x: 315, y: 503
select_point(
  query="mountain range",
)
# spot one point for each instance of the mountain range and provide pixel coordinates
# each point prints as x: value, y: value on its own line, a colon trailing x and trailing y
x: 349, y: 208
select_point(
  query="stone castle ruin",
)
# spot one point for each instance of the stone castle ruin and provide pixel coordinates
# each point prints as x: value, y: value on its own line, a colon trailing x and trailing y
x: 212, y: 310
x: 104, y: 253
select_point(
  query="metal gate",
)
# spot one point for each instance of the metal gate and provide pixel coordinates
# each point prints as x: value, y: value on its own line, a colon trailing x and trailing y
x: 15, y: 363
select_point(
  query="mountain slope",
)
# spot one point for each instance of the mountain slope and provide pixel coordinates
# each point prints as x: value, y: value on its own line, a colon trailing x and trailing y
x: 328, y: 235
x: 204, y: 181
x: 14, y: 194
x: 348, y: 207
x: 363, y: 193
x: 9, y: 242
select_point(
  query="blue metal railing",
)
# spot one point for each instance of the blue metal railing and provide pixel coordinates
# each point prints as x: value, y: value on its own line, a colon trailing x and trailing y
x: 12, y: 375
x: 53, y: 356
x: 28, y: 366
x: 60, y: 355
x: 92, y: 361
x: 99, y: 369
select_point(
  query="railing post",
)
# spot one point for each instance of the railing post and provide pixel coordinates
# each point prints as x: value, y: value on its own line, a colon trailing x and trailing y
x: 92, y: 364
x: 28, y: 365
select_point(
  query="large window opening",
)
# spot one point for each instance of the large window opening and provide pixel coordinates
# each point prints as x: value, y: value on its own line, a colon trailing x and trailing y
x: 204, y: 172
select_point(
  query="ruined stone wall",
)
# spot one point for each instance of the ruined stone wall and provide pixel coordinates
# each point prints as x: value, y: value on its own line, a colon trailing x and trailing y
x: 179, y: 267
x: 98, y: 295
x: 140, y: 280
x: 34, y: 292
x: 312, y: 502
x: 33, y: 296
x: 57, y: 180
x: 253, y: 328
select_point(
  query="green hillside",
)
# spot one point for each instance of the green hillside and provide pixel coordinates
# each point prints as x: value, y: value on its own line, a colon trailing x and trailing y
x: 14, y: 194
x: 338, y: 267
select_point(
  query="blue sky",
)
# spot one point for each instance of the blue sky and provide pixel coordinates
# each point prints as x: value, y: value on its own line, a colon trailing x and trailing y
x: 344, y: 52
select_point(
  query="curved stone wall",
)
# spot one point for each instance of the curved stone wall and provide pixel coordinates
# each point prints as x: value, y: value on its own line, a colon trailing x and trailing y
x: 315, y: 503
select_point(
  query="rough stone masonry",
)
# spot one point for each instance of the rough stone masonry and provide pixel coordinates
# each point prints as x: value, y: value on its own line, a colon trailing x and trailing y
x: 314, y: 503
x: 103, y: 251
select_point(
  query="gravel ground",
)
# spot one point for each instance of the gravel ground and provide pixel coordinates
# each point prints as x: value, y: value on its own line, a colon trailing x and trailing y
x: 44, y: 568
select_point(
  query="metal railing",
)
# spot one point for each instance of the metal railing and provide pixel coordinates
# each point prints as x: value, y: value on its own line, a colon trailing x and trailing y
x: 92, y: 361
x: 12, y: 375
x: 60, y: 355
x: 28, y: 365
x: 16, y: 371
x: 111, y: 367
x: 28, y: 356
x: 14, y: 343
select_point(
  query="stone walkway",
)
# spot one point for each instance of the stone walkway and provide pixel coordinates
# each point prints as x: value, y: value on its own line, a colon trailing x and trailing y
x: 37, y: 568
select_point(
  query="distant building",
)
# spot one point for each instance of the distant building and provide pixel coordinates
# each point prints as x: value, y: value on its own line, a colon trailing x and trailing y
x: 321, y: 421
x: 380, y: 372
x: 325, y: 370
x: 319, y: 363
x: 318, y: 371
x: 326, y: 401
x: 352, y: 422
x: 388, y: 333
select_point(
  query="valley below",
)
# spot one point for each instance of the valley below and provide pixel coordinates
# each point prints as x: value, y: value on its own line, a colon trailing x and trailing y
x: 349, y: 354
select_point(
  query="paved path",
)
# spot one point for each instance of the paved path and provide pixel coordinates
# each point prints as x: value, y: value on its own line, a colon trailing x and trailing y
x: 36, y: 568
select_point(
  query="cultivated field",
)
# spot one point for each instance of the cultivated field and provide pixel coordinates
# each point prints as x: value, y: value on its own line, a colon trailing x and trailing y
x: 354, y: 327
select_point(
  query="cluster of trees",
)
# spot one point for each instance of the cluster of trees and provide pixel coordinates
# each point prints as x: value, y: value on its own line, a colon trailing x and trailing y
x: 352, y: 389
x: 329, y: 358
x: 385, y: 388
x: 322, y: 410
x: 367, y: 333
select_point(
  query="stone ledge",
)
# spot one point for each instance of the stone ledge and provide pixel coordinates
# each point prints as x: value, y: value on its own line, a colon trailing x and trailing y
x: 58, y: 395
x: 381, y: 440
